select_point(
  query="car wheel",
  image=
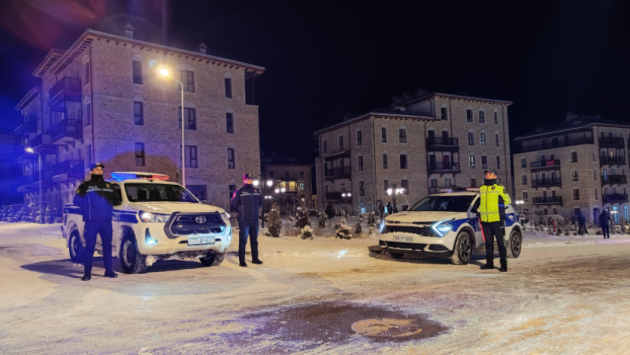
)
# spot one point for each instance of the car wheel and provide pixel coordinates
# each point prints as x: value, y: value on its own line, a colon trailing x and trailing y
x: 213, y: 258
x: 514, y: 244
x: 463, y: 249
x: 131, y: 261
x: 75, y: 247
x: 395, y: 255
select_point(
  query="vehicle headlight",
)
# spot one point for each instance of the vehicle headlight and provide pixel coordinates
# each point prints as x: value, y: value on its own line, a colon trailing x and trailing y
x: 442, y: 227
x: 150, y: 217
x: 225, y: 216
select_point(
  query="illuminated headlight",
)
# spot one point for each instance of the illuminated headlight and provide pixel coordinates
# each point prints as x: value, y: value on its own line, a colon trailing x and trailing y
x: 442, y: 227
x: 150, y: 217
x: 225, y: 216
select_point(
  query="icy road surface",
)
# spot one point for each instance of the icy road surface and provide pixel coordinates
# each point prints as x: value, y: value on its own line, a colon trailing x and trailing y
x: 313, y: 297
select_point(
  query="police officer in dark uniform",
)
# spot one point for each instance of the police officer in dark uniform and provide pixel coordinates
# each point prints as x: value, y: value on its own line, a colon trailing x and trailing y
x: 97, y: 198
x: 246, y: 201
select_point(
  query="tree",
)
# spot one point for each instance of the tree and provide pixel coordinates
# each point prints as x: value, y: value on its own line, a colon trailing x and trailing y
x: 331, y: 211
x: 302, y: 218
x: 275, y: 222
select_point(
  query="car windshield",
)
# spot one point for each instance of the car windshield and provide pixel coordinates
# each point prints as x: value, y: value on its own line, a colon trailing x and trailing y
x: 158, y: 193
x: 444, y: 203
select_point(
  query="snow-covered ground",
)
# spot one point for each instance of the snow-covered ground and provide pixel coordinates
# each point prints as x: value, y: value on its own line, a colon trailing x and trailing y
x: 562, y: 296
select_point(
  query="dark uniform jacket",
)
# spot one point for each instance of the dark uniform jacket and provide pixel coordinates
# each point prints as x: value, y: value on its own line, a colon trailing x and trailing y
x: 246, y: 201
x: 96, y: 198
x: 604, y: 219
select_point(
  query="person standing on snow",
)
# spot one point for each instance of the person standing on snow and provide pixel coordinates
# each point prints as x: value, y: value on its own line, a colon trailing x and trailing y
x: 247, y: 200
x: 604, y: 223
x: 492, y: 212
x: 581, y: 222
x: 97, y: 198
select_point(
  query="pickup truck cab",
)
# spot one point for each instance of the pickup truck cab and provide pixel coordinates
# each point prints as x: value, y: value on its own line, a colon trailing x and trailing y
x: 445, y: 224
x: 155, y: 220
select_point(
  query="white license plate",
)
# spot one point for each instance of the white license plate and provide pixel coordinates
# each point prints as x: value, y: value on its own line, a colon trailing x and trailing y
x: 400, y: 238
x: 200, y: 240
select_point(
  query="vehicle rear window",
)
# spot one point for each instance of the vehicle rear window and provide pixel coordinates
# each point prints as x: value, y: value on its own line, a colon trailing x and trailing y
x: 444, y: 203
x: 158, y: 193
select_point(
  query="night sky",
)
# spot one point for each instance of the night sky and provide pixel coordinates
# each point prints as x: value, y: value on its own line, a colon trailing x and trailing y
x: 325, y: 60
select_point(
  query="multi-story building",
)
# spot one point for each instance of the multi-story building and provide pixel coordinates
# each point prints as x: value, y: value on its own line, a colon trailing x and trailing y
x: 579, y: 163
x: 10, y: 171
x: 289, y: 174
x: 101, y: 100
x: 423, y: 142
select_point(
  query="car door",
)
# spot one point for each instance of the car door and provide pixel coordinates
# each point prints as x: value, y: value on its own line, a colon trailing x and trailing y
x: 117, y: 222
x: 475, y: 222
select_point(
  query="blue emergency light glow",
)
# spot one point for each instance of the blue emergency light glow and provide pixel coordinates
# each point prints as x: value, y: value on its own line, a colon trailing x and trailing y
x: 122, y: 176
x: 148, y: 239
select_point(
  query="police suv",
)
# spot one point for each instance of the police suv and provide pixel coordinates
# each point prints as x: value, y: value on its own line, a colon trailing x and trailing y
x: 445, y: 224
x: 155, y: 220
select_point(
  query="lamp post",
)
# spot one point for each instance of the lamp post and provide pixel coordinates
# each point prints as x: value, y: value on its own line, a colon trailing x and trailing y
x: 267, y: 197
x: 39, y: 164
x: 165, y: 73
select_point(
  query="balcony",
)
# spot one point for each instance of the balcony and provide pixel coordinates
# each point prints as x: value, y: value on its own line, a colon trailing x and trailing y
x: 616, y: 161
x: 25, y: 183
x: 47, y: 174
x: 527, y: 147
x: 545, y: 164
x: 68, y: 170
x: 442, y: 144
x: 611, y: 142
x: 67, y: 131
x: 337, y: 173
x: 444, y: 168
x: 43, y: 144
x: 66, y: 89
x: 337, y: 197
x: 549, y: 200
x: 28, y: 124
x: 615, y: 198
x: 613, y: 179
x: 548, y: 182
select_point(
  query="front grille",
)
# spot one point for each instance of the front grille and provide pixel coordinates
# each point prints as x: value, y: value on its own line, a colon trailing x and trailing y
x: 438, y: 247
x: 405, y: 245
x: 425, y: 231
x: 184, y: 224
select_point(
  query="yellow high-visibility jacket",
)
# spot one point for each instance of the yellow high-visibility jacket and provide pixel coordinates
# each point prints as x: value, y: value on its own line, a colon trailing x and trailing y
x: 494, y: 199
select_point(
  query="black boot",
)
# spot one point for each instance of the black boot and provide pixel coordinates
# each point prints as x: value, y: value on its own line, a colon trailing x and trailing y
x: 111, y: 274
x: 489, y: 265
x: 86, y: 277
x: 242, y: 264
x: 503, y: 265
x: 257, y: 261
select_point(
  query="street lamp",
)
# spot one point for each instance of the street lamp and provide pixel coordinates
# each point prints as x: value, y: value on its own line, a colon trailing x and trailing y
x: 269, y: 183
x: 41, y: 212
x: 166, y: 74
x: 255, y: 182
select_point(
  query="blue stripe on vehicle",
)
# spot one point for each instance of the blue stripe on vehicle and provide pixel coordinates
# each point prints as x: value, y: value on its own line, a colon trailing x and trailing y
x: 510, y: 219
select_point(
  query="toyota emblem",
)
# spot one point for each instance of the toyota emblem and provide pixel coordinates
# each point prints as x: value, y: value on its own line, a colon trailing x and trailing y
x: 200, y: 219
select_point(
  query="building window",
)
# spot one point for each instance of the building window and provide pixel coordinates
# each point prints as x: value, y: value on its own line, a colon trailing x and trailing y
x: 482, y: 117
x: 138, y: 113
x: 199, y: 191
x: 361, y: 190
x: 625, y: 212
x: 596, y: 197
x: 139, y: 154
x: 325, y: 148
x: 229, y: 122
x: 191, y: 156
x: 88, y: 114
x: 524, y: 180
x: 473, y: 182
x: 447, y: 182
x: 340, y: 142
x: 576, y: 194
x: 523, y: 162
x: 402, y: 135
x: 469, y: 115
x: 574, y: 157
x: 496, y: 139
x: 301, y: 184
x: 301, y: 174
x: 188, y: 78
x: 405, y: 185
x: 385, y: 185
x: 484, y: 162
x: 403, y: 161
x: 385, y: 164
x: 383, y: 134
x: 471, y: 138
x: 525, y: 196
x: 443, y: 113
x: 137, y: 72
x: 228, y: 88
x: 471, y: 162
x: 482, y: 139
x: 496, y: 118
x: 595, y: 174
x: 498, y: 162
x: 230, y: 156
x: 190, y: 115
x: 574, y: 175
x: 359, y: 138
x: 87, y: 73
x: 360, y: 161
x: 271, y: 174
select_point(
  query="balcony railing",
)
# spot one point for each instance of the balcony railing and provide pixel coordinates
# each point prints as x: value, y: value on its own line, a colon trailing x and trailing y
x: 442, y: 143
x: 25, y: 180
x: 547, y: 182
x: 47, y: 174
x: 613, y: 179
x: 526, y: 147
x: 554, y: 163
x: 28, y: 124
x: 341, y: 172
x: 611, y: 142
x: 338, y: 196
x: 607, y: 160
x: 65, y: 84
x: 549, y: 200
x: 444, y: 167
x: 67, y: 128
x: 70, y: 167
x: 614, y: 198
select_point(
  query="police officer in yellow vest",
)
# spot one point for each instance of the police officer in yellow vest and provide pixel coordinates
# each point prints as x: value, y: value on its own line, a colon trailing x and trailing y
x: 492, y: 213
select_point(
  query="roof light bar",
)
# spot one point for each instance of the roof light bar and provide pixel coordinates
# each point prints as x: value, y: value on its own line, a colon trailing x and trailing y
x: 122, y: 176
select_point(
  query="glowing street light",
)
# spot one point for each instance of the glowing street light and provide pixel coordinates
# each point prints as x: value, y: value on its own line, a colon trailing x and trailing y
x: 255, y: 182
x: 165, y: 73
x: 277, y: 190
x: 269, y: 183
x: 282, y: 189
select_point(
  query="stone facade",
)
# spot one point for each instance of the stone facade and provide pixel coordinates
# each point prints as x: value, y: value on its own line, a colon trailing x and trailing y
x: 428, y: 131
x: 578, y: 164
x: 130, y: 120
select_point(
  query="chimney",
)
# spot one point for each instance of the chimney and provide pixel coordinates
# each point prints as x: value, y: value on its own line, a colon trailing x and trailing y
x: 201, y: 48
x: 129, y: 30
x: 572, y: 116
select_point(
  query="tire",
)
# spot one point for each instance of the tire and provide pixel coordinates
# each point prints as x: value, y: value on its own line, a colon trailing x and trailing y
x: 395, y: 255
x: 463, y: 249
x: 75, y: 247
x: 213, y: 258
x: 514, y: 244
x: 131, y: 261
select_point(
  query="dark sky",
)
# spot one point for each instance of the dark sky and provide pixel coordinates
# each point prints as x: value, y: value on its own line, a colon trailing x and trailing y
x: 326, y: 59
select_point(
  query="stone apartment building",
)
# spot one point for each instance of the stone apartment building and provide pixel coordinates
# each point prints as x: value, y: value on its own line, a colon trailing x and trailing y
x: 102, y: 100
x: 424, y: 142
x: 579, y: 163
x: 288, y: 173
x: 10, y: 171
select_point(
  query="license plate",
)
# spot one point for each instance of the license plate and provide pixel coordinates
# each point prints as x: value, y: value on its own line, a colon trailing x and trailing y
x: 400, y: 238
x: 200, y: 240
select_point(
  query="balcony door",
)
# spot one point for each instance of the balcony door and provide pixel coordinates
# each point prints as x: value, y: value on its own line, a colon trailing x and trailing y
x: 431, y: 137
x: 447, y: 161
x: 445, y: 137
x: 432, y: 162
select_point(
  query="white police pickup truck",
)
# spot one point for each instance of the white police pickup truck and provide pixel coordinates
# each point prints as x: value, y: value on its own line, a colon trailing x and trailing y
x: 155, y: 220
x: 445, y: 224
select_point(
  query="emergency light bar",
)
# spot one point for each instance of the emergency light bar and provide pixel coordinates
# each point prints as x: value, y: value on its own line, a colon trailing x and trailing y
x: 122, y: 176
